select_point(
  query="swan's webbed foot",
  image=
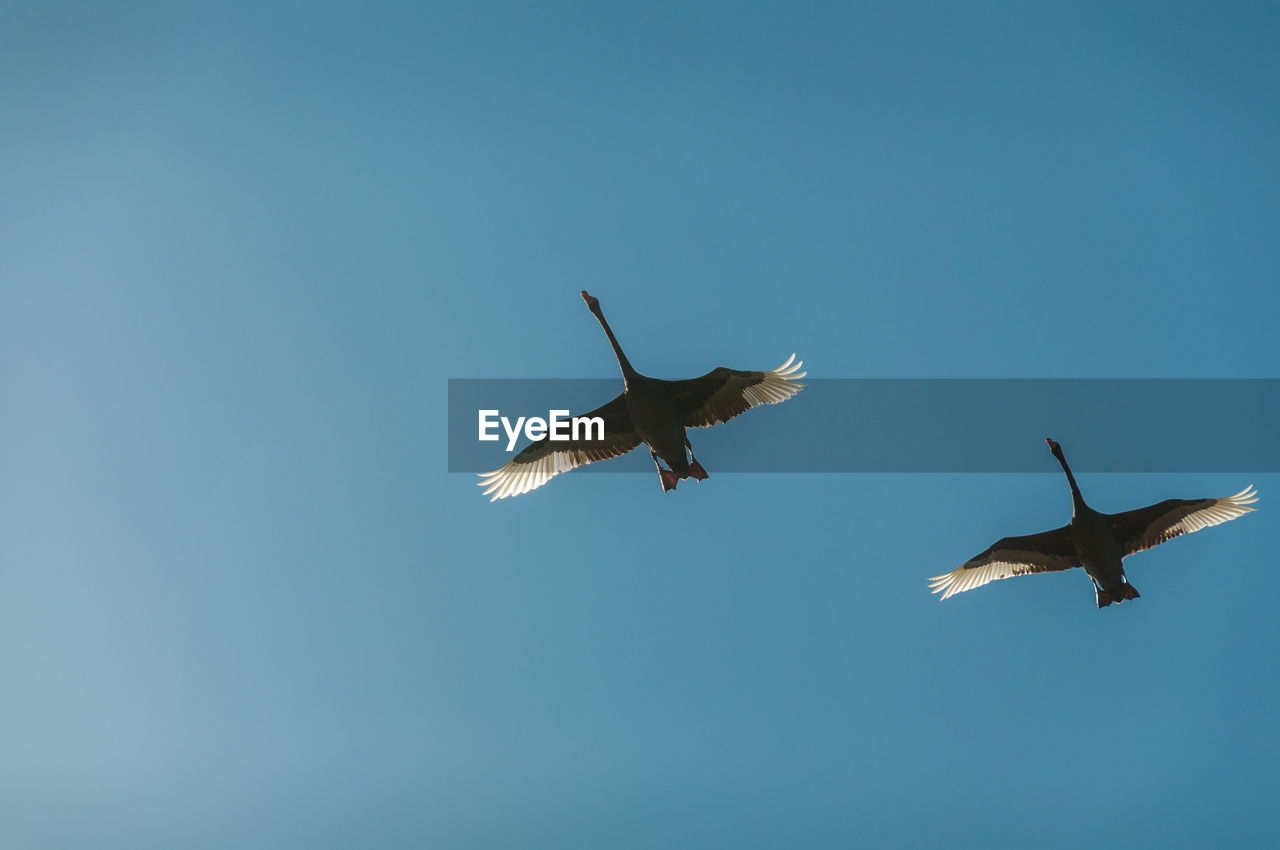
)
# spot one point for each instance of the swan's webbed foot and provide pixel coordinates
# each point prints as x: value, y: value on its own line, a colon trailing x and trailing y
x: 695, y: 468
x: 668, y: 477
x: 1104, y: 599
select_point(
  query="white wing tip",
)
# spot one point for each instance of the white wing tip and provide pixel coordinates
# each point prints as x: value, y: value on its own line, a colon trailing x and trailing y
x: 512, y: 479
x: 1247, y: 496
x: 943, y: 584
x: 789, y: 371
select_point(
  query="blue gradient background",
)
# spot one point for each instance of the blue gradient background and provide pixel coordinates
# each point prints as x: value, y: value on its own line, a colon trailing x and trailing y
x: 243, y: 604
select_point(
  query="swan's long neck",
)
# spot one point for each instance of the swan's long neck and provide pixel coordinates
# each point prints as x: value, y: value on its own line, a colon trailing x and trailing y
x: 623, y: 363
x: 1077, y: 501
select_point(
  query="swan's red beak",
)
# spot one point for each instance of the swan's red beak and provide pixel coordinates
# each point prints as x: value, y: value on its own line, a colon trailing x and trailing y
x: 1053, y: 447
x: 591, y: 302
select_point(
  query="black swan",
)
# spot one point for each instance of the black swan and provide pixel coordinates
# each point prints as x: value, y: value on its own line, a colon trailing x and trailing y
x: 1096, y: 541
x: 649, y: 411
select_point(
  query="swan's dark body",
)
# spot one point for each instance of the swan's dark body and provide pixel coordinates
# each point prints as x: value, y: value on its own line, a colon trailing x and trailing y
x: 1095, y: 543
x: 653, y: 412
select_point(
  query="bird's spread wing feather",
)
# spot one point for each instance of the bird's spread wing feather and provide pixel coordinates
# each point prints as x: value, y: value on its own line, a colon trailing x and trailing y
x: 1046, y: 552
x: 1150, y: 526
x: 722, y: 393
x: 544, y: 459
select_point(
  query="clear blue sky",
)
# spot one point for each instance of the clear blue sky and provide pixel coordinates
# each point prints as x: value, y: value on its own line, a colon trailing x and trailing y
x: 242, y: 604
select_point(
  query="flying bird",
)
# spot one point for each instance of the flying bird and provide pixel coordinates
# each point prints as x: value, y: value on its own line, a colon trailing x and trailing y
x: 649, y: 411
x: 1096, y: 541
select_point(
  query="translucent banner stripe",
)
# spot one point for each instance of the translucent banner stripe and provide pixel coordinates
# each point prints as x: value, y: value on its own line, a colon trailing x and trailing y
x: 930, y: 425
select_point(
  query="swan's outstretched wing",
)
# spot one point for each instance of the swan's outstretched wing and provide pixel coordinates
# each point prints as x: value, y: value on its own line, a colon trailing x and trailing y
x: 1150, y: 526
x: 723, y: 393
x: 1046, y: 552
x: 543, y: 459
